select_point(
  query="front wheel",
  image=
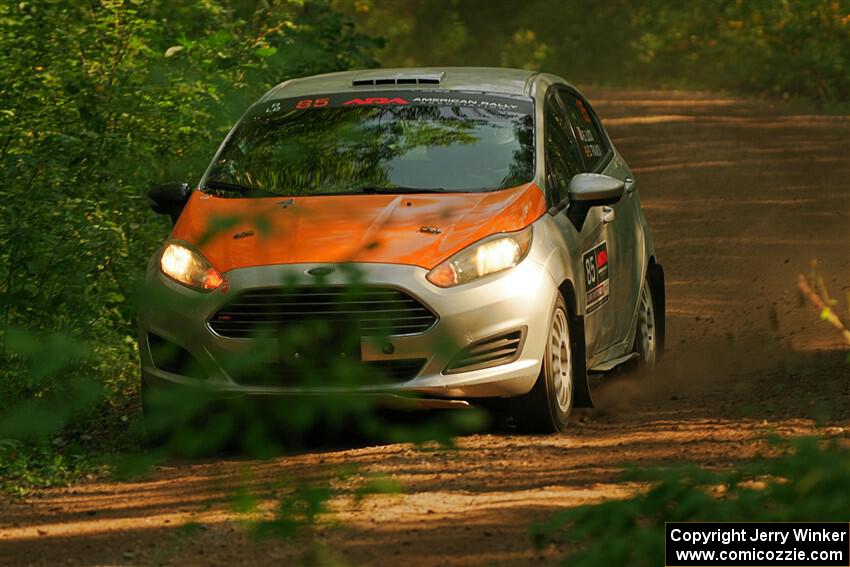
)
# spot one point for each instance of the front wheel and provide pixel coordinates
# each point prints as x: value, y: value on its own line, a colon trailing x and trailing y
x: 546, y: 408
x: 647, y: 333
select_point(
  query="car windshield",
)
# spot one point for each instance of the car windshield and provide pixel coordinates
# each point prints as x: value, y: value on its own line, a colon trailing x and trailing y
x: 380, y: 143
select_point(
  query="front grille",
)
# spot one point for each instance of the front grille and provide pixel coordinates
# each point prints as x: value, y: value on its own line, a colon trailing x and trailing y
x: 369, y: 311
x: 369, y: 373
x: 487, y: 353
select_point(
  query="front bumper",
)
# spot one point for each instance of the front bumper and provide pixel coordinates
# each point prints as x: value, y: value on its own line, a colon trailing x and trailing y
x: 519, y: 298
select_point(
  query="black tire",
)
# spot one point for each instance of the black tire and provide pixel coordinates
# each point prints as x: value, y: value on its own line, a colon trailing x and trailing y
x: 546, y: 408
x: 655, y: 275
x: 152, y: 436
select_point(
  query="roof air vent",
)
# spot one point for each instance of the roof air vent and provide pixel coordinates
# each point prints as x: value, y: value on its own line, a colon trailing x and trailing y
x: 401, y: 79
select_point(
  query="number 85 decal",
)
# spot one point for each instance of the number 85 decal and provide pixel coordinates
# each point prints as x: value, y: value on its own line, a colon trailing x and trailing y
x: 311, y: 103
x: 590, y: 270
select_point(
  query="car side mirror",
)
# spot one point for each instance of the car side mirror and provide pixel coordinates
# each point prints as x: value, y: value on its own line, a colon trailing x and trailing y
x: 595, y: 189
x: 587, y: 190
x: 169, y: 199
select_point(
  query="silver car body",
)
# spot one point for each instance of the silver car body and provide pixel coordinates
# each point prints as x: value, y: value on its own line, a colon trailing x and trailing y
x: 518, y: 298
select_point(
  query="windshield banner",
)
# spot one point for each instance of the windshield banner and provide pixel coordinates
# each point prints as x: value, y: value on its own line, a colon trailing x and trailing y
x: 398, y: 98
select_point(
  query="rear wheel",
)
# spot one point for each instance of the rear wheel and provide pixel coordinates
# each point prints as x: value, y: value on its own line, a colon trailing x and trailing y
x: 546, y: 408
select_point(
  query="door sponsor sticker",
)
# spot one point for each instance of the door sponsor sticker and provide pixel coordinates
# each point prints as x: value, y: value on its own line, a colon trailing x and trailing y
x: 595, y: 262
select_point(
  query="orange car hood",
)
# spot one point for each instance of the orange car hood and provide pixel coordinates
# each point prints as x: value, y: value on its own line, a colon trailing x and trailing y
x: 239, y: 233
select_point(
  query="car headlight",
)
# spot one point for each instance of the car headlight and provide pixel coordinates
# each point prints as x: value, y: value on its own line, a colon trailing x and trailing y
x: 188, y: 267
x: 483, y: 258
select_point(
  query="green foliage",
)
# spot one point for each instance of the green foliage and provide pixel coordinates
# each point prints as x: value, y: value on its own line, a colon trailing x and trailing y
x: 808, y: 482
x: 24, y: 466
x: 100, y: 101
x: 797, y: 48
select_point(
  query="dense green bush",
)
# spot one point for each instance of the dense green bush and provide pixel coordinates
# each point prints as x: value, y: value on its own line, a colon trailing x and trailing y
x: 787, y: 48
x: 98, y: 102
x: 101, y: 100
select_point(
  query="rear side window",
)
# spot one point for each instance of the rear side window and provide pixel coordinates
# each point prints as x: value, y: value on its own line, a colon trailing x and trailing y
x: 587, y: 131
x: 562, y: 153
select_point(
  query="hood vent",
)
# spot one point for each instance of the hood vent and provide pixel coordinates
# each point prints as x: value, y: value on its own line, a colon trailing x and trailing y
x: 427, y: 79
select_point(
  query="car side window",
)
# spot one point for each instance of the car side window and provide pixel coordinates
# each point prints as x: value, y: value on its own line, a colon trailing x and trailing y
x: 563, y: 160
x: 588, y: 132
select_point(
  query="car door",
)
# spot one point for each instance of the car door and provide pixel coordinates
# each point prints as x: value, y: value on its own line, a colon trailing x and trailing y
x: 625, y: 242
x: 588, y: 242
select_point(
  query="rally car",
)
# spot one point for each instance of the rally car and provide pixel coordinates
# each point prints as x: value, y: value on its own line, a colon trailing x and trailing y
x: 497, y: 235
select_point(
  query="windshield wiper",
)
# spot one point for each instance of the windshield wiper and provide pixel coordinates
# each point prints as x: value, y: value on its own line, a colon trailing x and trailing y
x: 225, y: 186
x: 398, y: 190
x: 368, y: 189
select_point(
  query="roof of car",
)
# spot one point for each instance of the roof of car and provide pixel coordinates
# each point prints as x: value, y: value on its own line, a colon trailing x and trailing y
x: 482, y: 79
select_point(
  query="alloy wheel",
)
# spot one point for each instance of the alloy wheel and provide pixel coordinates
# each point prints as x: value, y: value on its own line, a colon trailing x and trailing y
x: 646, y: 336
x: 561, y: 361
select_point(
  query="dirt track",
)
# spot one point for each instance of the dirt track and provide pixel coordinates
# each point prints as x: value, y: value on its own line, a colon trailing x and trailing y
x: 741, y: 197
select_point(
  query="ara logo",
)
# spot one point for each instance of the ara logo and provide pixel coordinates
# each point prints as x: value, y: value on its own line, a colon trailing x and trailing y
x: 375, y: 100
x: 602, y: 257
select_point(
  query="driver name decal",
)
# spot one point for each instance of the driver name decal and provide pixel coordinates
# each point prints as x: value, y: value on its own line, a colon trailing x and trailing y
x: 597, y: 284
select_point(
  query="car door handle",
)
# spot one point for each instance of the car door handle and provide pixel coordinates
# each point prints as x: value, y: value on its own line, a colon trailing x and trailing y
x: 608, y: 215
x: 629, y: 184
